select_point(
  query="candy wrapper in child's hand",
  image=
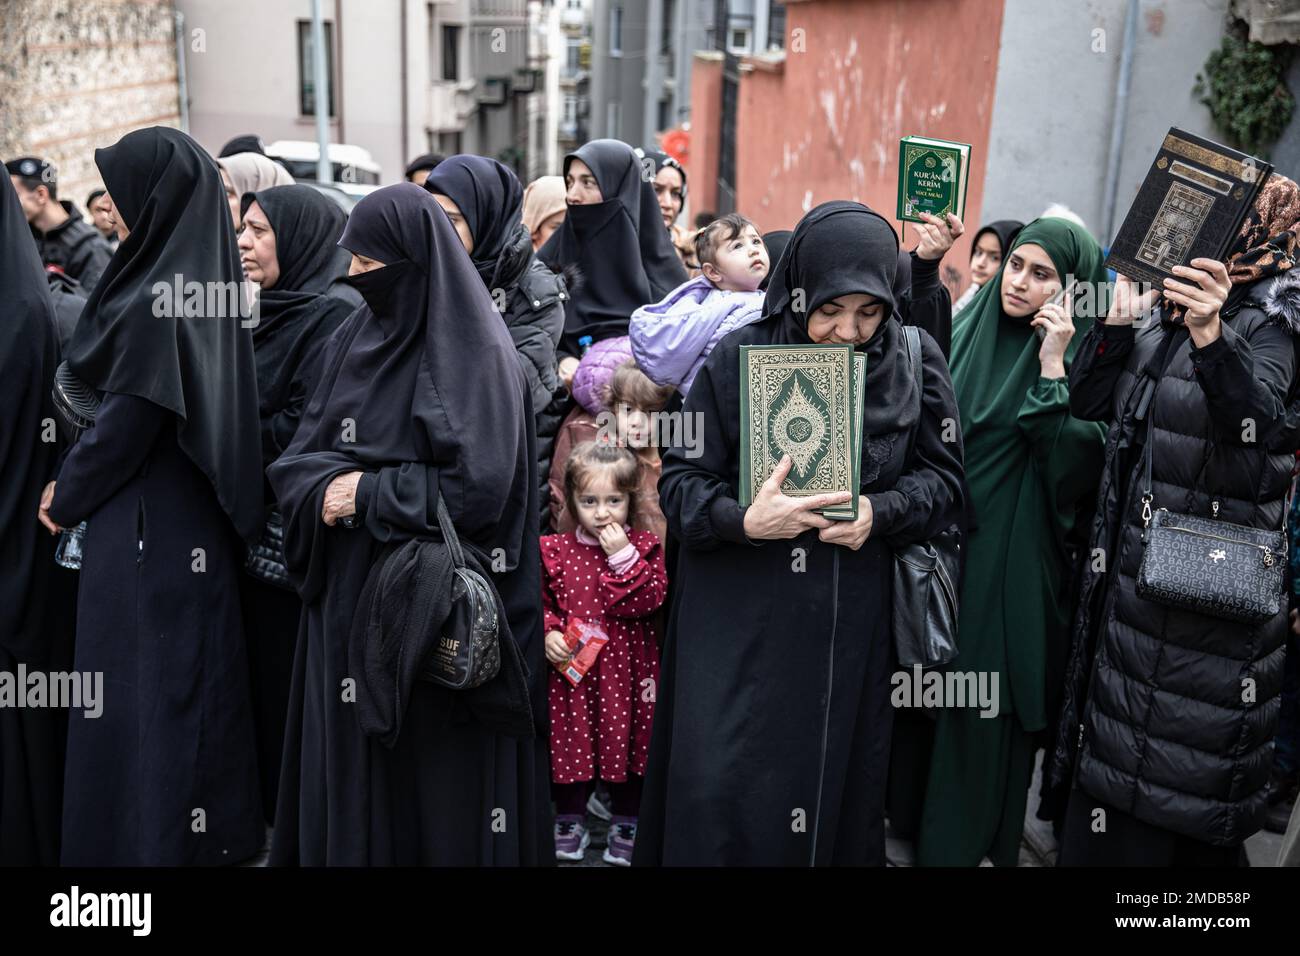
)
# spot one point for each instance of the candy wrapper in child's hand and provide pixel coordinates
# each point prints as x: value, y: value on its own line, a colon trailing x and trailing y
x: 585, y: 639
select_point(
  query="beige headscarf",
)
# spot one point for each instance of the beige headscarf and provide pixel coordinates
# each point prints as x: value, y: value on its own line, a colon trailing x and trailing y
x: 251, y: 172
x: 543, y: 198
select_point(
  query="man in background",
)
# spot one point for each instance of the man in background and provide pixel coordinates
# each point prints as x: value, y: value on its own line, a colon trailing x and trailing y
x: 99, y: 207
x: 64, y: 240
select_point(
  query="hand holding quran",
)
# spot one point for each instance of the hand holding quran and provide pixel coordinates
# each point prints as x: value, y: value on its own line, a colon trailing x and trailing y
x: 775, y: 516
x: 937, y: 235
x: 1202, y: 297
x: 851, y: 534
x: 1129, y: 302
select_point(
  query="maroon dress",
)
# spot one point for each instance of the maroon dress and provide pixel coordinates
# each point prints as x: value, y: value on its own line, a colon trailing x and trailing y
x: 601, y: 727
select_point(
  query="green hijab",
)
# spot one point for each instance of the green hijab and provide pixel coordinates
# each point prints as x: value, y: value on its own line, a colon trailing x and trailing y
x: 1029, y: 464
x: 994, y: 356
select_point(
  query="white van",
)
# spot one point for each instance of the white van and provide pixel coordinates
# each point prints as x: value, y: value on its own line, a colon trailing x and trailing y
x: 355, y: 172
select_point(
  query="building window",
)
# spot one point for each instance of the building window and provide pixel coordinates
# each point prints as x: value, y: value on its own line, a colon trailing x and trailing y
x: 665, y: 114
x: 613, y: 117
x: 575, y: 4
x: 307, y: 67
x: 666, y: 33
x: 776, y: 27
x: 615, y: 31
x: 573, y: 55
x: 739, y: 42
x: 451, y: 52
x: 571, y: 111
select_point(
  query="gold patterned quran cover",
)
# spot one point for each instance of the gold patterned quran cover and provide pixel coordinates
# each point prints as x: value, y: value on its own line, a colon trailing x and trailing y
x: 798, y: 400
x: 1190, y: 205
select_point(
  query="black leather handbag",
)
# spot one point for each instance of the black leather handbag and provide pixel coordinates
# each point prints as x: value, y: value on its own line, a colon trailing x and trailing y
x: 468, y: 652
x: 1205, y: 565
x: 265, y: 559
x: 925, y: 575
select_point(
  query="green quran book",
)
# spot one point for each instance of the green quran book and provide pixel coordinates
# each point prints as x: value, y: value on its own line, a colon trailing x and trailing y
x: 848, y: 512
x: 932, y: 175
x: 797, y: 400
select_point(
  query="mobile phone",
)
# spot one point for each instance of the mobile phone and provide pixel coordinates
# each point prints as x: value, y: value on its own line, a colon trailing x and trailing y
x: 1058, y: 299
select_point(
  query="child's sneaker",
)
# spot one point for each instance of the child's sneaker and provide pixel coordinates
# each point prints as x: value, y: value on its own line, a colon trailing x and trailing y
x: 571, y: 837
x: 619, y: 843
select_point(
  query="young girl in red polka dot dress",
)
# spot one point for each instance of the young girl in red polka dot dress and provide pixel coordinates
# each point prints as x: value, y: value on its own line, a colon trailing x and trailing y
x: 602, y: 572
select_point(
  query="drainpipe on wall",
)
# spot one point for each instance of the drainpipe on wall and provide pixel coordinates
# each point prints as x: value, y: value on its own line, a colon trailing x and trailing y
x: 182, y: 81
x: 1118, y: 116
x: 324, y: 170
x: 338, y: 65
x: 406, y: 146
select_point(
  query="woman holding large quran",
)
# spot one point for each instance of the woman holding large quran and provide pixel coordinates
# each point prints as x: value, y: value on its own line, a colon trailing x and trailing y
x: 771, y: 736
x: 959, y: 785
x: 1172, y: 702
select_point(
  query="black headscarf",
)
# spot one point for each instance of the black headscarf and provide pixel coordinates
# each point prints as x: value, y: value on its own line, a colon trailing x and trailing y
x: 620, y: 246
x: 842, y: 248
x: 27, y: 359
x: 295, y: 317
x: 307, y: 228
x: 491, y: 199
x: 423, y: 161
x: 660, y: 159
x: 427, y: 374
x: 1004, y: 229
x: 169, y: 193
x: 776, y: 242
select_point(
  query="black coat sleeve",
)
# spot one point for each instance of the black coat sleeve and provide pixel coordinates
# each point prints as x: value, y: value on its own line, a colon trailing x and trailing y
x: 88, y: 260
x: 927, y: 304
x: 1096, y: 368
x: 1247, y: 381
x: 928, y: 496
x: 107, y: 456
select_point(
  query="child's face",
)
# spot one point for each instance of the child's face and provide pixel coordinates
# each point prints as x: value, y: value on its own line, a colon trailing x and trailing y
x: 740, y: 263
x: 634, y: 427
x: 599, y: 503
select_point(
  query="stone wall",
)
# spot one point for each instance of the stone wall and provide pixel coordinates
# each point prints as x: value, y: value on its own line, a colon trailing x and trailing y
x: 76, y: 75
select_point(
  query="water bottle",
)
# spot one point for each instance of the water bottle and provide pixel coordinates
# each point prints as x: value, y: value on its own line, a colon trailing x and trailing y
x: 68, y: 553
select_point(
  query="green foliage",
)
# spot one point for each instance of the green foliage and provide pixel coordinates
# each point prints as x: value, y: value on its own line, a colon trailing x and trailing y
x: 1244, y: 85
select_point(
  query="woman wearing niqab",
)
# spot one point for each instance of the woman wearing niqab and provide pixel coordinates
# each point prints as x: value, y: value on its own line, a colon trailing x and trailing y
x: 618, y: 245
x: 168, y: 480
x: 421, y: 396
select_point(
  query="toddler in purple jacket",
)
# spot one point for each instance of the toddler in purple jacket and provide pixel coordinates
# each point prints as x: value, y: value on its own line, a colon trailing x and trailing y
x: 671, y: 339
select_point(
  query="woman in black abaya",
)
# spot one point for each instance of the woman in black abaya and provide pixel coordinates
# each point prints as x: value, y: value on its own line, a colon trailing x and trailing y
x: 31, y: 745
x: 289, y: 245
x: 168, y: 481
x: 614, y: 236
x: 771, y: 736
x: 484, y: 201
x: 420, y: 396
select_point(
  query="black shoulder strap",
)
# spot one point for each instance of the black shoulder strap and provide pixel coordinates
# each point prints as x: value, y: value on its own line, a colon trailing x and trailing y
x: 449, y: 534
x: 913, y: 336
x: 1146, y: 410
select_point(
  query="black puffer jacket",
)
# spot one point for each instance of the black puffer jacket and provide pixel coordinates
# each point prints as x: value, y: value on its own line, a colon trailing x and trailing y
x: 76, y: 247
x: 534, y: 316
x: 1169, y: 715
